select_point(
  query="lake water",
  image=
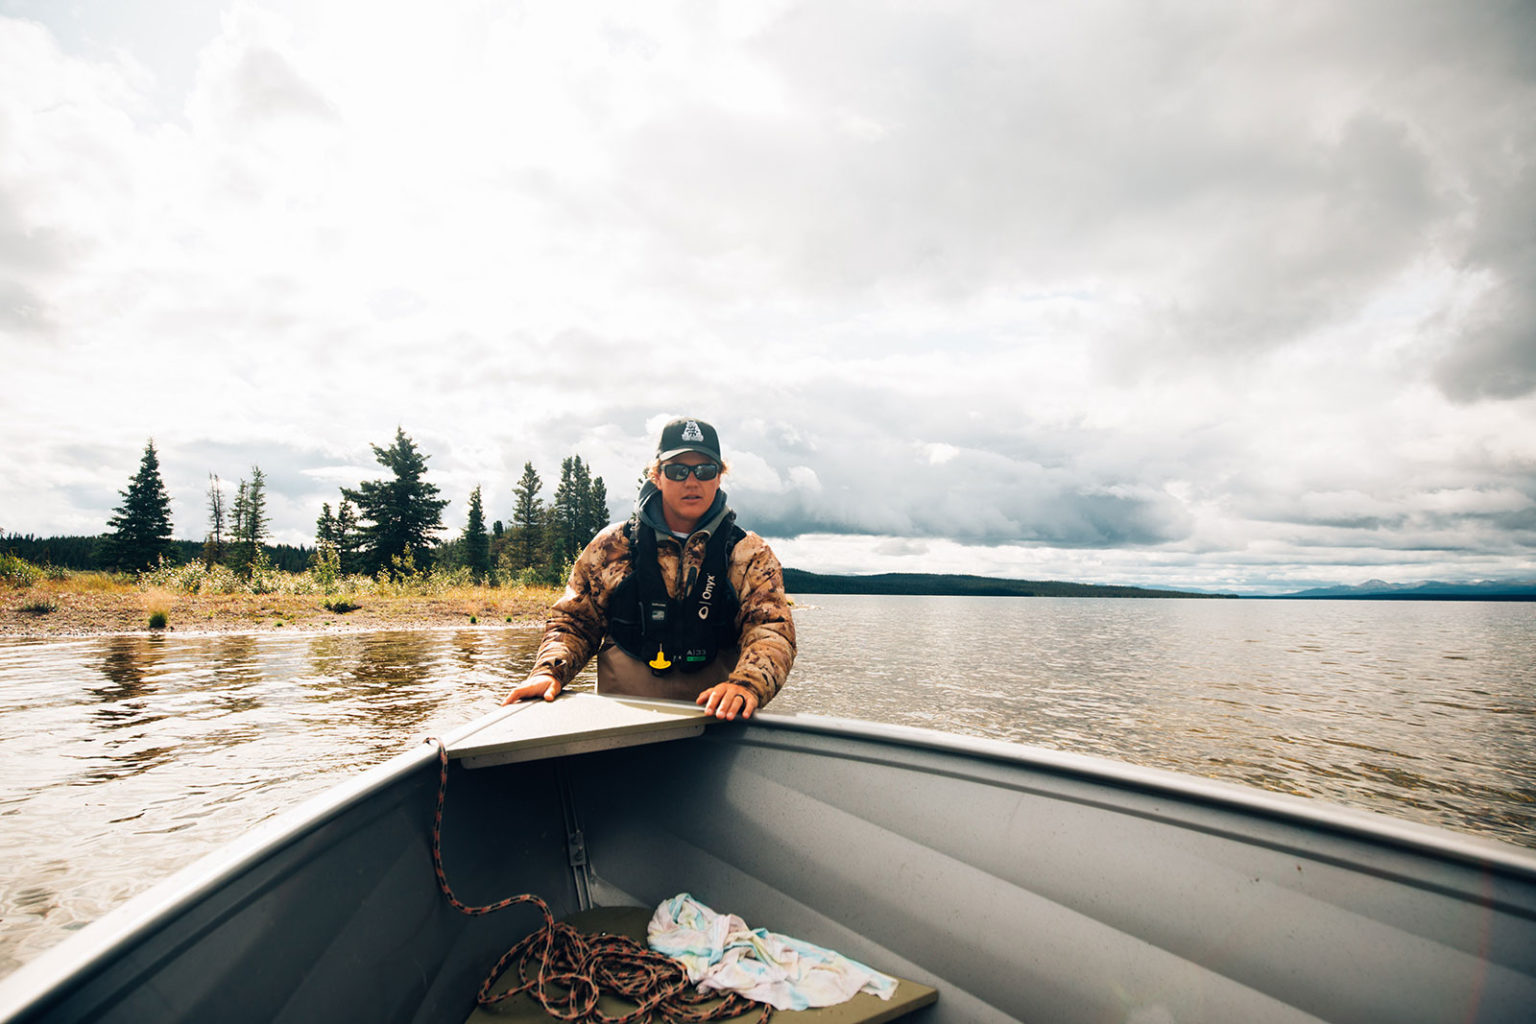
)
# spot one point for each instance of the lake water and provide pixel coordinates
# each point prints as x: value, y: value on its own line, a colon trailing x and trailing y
x: 124, y: 758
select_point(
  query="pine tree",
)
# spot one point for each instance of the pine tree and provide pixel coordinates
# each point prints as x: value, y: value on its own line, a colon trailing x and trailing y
x: 527, y: 519
x: 477, y: 545
x: 213, y: 545
x: 401, y: 514
x: 141, y: 530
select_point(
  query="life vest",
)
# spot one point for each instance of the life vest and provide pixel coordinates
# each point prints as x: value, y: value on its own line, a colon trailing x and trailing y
x: 666, y: 633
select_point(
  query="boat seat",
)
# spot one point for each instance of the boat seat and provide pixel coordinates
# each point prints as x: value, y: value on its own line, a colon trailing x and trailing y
x: 631, y: 921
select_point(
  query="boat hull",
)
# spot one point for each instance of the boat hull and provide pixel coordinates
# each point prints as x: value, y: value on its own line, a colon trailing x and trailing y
x: 1023, y: 884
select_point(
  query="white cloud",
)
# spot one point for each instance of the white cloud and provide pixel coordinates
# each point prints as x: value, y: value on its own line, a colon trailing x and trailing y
x: 1185, y: 293
x: 938, y: 454
x: 804, y: 479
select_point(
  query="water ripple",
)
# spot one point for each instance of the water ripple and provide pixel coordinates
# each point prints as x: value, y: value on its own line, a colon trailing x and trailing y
x: 126, y: 757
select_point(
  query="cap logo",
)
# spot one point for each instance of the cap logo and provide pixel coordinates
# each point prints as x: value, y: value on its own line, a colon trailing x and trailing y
x: 692, y: 432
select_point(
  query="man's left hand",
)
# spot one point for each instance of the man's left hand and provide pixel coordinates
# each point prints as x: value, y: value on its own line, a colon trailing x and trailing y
x: 727, y: 700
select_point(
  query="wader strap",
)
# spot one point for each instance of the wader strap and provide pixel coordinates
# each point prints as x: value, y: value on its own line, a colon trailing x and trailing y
x: 656, y: 608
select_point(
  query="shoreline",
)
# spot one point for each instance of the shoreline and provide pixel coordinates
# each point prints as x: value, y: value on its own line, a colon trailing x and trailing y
x: 57, y: 611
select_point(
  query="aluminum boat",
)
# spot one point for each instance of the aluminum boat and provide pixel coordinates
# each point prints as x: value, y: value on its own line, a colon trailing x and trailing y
x: 1019, y: 884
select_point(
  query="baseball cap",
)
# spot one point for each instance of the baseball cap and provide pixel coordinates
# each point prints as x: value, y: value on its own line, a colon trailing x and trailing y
x: 688, y: 435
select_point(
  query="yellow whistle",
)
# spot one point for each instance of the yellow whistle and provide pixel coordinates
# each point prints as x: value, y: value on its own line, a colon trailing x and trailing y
x: 661, y: 661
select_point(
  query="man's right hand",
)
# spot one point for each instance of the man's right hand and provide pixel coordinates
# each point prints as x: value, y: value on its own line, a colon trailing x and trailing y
x: 542, y: 685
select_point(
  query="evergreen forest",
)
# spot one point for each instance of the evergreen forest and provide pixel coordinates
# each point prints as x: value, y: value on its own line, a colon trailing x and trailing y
x: 388, y: 526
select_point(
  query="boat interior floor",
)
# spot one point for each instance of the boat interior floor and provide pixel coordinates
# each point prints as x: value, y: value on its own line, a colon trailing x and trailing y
x: 631, y: 921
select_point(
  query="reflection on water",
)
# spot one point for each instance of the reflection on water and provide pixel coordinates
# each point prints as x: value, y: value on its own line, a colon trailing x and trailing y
x: 124, y: 758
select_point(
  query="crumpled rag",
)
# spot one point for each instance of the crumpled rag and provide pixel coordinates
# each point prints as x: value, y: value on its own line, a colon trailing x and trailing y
x: 721, y: 954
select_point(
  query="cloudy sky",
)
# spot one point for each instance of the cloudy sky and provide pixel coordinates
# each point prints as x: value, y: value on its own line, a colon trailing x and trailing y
x: 1223, y: 295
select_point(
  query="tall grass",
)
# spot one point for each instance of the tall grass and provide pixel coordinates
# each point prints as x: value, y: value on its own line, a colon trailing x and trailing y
x: 323, y: 579
x: 19, y: 573
x: 95, y: 581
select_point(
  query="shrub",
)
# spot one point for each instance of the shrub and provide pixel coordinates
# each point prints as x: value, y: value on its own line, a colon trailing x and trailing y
x: 194, y: 578
x: 325, y: 567
x: 158, y: 619
x: 260, y: 578
x: 40, y: 607
x: 529, y: 576
x: 17, y: 571
x: 402, y: 578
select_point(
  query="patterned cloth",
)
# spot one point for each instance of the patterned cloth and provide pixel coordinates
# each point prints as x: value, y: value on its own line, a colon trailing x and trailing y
x: 721, y: 954
x: 578, y: 621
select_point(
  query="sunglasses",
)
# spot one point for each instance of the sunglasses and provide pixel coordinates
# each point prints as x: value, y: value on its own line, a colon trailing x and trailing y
x: 678, y: 471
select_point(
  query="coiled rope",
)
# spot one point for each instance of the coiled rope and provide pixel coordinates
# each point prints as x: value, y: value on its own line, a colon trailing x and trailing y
x: 586, y: 965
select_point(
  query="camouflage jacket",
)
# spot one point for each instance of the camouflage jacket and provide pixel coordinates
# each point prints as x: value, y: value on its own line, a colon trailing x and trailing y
x: 577, y: 625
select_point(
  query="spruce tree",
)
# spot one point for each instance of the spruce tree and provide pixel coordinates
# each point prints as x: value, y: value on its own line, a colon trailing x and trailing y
x: 579, y: 513
x: 349, y: 539
x: 568, y: 514
x: 213, y: 546
x: 597, y: 509
x: 237, y: 514
x: 251, y: 522
x: 400, y: 514
x: 256, y: 525
x: 140, y: 532
x: 527, y: 518
x: 498, y: 550
x: 325, y: 528
x: 477, y: 545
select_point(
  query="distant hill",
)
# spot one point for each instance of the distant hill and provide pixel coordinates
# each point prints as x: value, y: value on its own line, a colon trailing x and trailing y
x: 798, y: 581
x: 1380, y: 590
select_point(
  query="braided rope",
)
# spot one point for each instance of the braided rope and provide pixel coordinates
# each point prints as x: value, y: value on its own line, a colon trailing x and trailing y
x: 585, y: 965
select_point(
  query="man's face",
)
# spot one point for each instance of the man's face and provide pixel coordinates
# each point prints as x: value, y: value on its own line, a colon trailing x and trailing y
x: 684, y: 502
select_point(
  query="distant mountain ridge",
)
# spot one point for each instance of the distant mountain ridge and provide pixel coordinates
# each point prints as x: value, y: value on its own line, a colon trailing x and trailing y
x: 1432, y: 590
x: 798, y: 581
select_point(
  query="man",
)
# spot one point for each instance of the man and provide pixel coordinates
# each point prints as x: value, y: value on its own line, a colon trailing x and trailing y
x: 678, y: 602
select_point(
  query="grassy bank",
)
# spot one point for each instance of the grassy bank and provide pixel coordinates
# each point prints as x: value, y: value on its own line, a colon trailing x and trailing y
x: 41, y: 602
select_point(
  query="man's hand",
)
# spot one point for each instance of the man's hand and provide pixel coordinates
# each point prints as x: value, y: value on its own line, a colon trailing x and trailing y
x: 542, y: 685
x: 726, y: 700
